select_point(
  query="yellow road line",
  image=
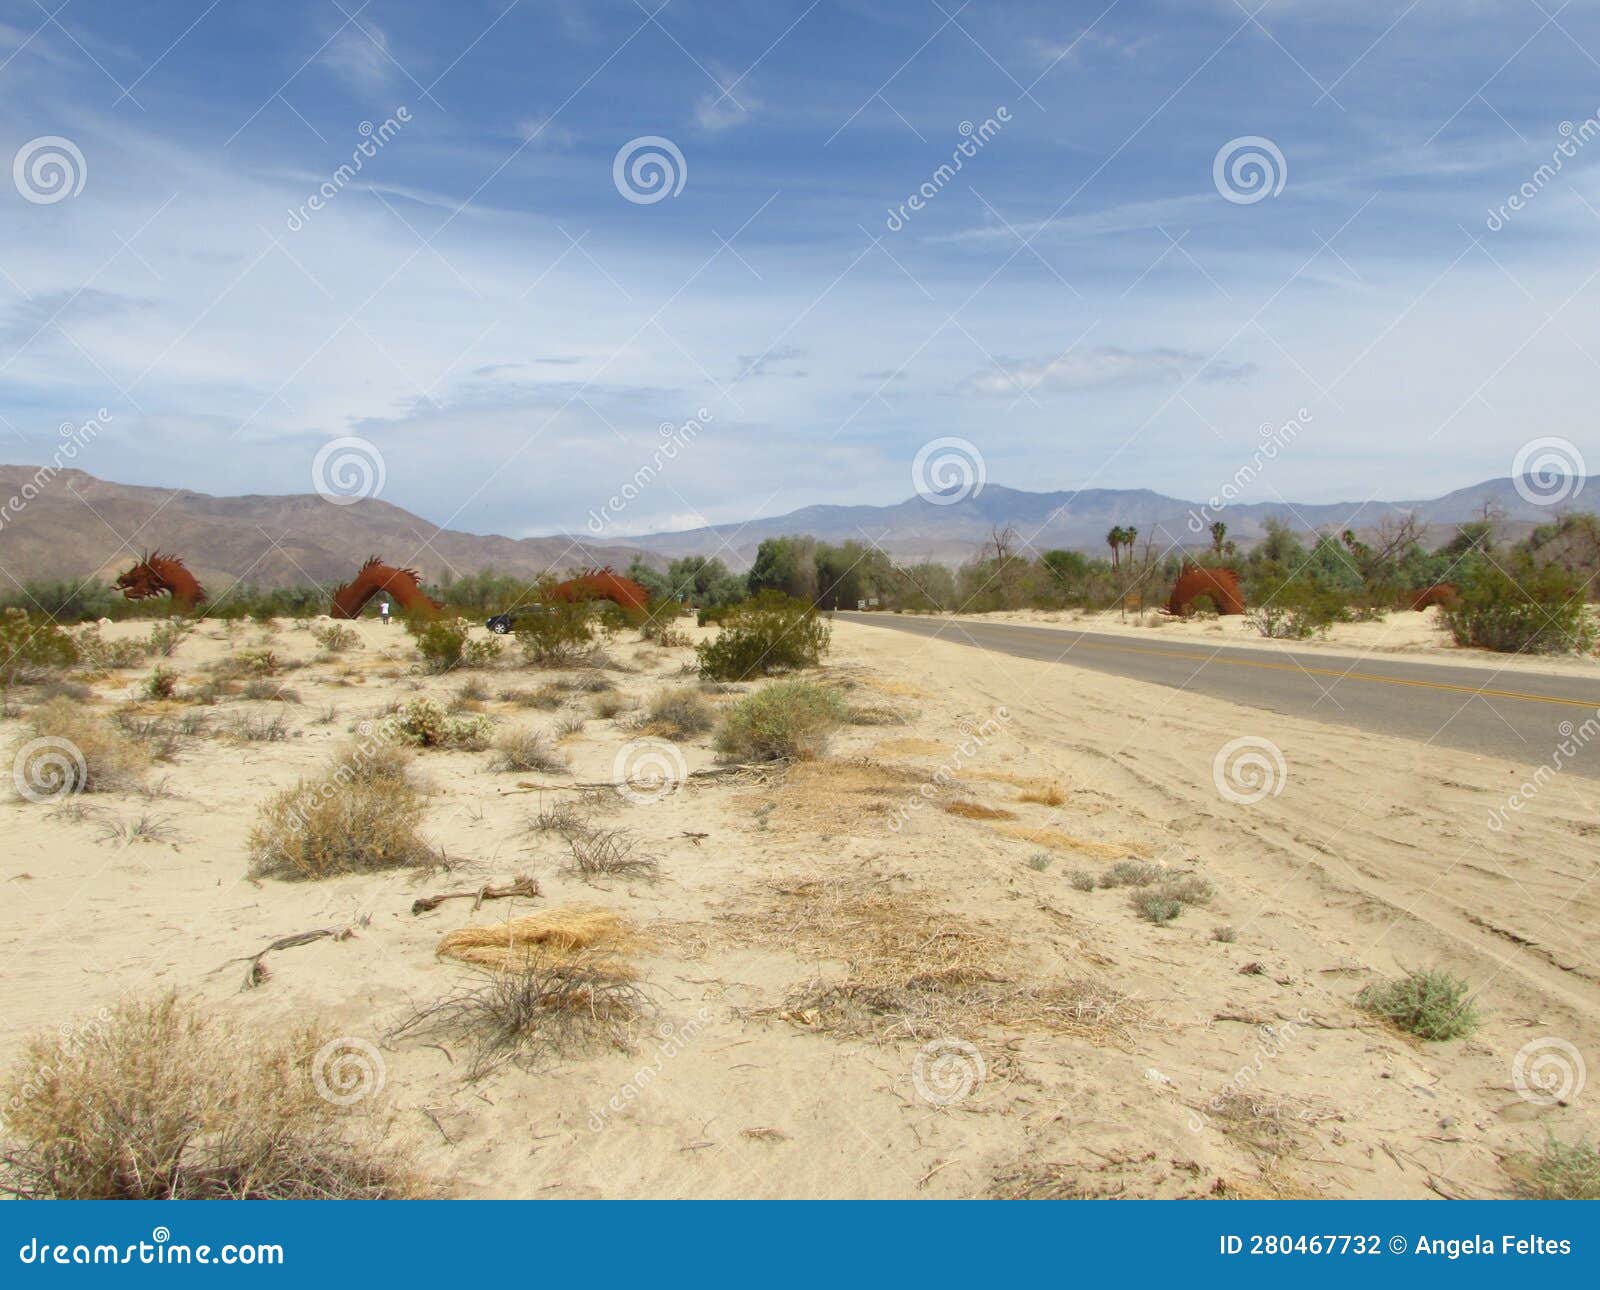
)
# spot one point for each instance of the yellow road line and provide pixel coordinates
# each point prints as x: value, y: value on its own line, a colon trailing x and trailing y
x: 1082, y: 643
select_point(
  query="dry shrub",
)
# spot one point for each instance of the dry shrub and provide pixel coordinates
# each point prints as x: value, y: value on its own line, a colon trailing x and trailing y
x: 546, y: 697
x: 680, y: 713
x: 977, y: 811
x: 780, y: 721
x: 159, y: 1100
x: 360, y: 815
x: 100, y: 759
x: 524, y: 749
x: 916, y: 971
x: 607, y: 853
x: 613, y: 704
x: 573, y: 935
x: 533, y: 1014
x: 1268, y: 1122
x: 257, y: 728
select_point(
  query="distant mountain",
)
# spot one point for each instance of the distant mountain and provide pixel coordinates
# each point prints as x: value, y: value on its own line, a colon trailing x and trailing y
x: 79, y: 526
x: 919, y: 529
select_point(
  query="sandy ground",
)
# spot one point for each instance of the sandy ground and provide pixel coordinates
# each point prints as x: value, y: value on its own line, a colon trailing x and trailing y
x: 1404, y: 634
x: 1231, y: 1068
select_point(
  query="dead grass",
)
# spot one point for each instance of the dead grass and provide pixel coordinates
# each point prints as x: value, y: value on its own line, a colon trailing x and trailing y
x: 522, y: 748
x: 569, y: 936
x: 83, y: 752
x: 1053, y: 795
x: 914, y: 970
x: 1058, y: 840
x: 608, y: 853
x: 679, y: 713
x: 360, y: 815
x: 533, y: 1014
x: 977, y: 811
x: 158, y: 1099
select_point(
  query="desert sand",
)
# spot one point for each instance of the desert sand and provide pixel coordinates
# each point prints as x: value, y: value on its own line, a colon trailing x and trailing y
x: 1192, y: 1066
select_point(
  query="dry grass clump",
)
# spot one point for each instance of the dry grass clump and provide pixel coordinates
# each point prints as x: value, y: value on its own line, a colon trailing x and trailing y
x: 361, y: 814
x: 611, y: 704
x: 265, y: 690
x: 533, y: 1014
x: 977, y: 811
x: 157, y: 1100
x: 607, y: 853
x: 521, y: 748
x: 256, y: 728
x: 1268, y: 1122
x: 679, y: 713
x: 1059, y: 840
x: 86, y: 753
x: 1560, y: 1171
x: 916, y: 971
x: 546, y: 697
x: 1167, y: 899
x: 1053, y: 795
x: 1431, y: 1004
x: 781, y: 721
x: 570, y: 936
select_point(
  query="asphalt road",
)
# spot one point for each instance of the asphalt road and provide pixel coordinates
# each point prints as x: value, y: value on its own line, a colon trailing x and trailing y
x: 1515, y: 715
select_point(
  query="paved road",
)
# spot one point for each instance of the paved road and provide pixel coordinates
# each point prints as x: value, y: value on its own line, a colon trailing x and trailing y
x: 1507, y: 714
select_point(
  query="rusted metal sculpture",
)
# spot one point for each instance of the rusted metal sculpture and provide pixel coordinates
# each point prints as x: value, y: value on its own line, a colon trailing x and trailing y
x: 162, y: 575
x: 602, y: 584
x: 1197, y: 580
x: 402, y: 585
x: 1438, y: 593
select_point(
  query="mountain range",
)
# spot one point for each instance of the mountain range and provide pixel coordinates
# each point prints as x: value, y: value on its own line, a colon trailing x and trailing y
x: 77, y: 526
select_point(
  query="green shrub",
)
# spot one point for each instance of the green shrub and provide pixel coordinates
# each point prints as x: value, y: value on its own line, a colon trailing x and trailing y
x: 1430, y: 1004
x: 770, y: 633
x: 161, y: 684
x: 1300, y: 609
x: 442, y: 642
x: 334, y: 639
x: 30, y: 644
x: 102, y: 655
x: 787, y: 719
x: 427, y: 725
x: 1561, y: 1171
x: 557, y: 635
x: 1525, y: 610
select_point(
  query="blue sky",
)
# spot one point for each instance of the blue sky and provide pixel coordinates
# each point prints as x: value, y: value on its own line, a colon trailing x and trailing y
x: 1081, y: 301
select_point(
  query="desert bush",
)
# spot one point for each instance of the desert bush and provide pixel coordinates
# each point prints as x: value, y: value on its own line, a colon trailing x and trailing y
x: 1526, y: 610
x: 360, y: 815
x: 424, y: 723
x: 1560, y: 1171
x: 1164, y: 901
x: 96, y: 652
x: 546, y: 697
x: 28, y: 644
x: 522, y: 748
x: 1300, y: 609
x: 1431, y: 1004
x: 159, y: 1100
x: 263, y: 690
x: 167, y: 636
x: 612, y: 704
x: 1083, y: 880
x: 782, y: 720
x: 85, y: 753
x: 160, y: 684
x: 442, y: 642
x: 246, y: 663
x: 561, y: 634
x: 334, y: 639
x: 596, y: 853
x: 770, y: 633
x: 680, y: 713
x: 1132, y: 873
x: 256, y: 728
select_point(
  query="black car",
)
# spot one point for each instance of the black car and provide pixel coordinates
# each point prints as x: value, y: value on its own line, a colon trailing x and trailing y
x: 502, y: 624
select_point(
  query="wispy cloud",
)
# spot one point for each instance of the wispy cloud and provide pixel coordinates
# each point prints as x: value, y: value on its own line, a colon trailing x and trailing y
x: 1102, y: 368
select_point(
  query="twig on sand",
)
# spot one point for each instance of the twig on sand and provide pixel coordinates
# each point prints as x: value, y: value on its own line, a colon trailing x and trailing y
x: 758, y: 771
x: 521, y: 885
x: 257, y: 972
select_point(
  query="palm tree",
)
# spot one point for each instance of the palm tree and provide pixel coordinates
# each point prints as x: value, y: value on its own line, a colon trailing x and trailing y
x: 1114, y: 539
x: 1219, y: 531
x: 1129, y: 536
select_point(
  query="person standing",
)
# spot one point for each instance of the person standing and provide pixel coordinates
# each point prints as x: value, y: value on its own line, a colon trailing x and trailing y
x: 383, y: 610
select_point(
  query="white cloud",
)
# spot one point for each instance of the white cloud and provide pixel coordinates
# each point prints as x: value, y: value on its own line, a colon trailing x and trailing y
x: 1102, y: 368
